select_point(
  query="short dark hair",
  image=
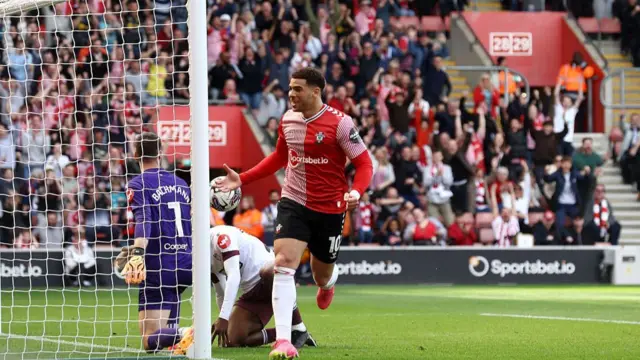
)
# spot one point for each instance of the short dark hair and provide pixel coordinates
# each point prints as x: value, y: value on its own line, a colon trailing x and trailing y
x: 147, y: 145
x: 272, y: 191
x: 586, y: 138
x: 313, y: 77
x: 567, y: 158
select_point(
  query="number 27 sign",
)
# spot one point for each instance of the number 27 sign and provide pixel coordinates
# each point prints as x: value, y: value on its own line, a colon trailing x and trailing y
x: 510, y: 44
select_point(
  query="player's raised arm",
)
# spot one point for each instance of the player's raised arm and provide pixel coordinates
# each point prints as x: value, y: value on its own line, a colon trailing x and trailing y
x: 355, y: 149
x: 134, y: 270
x: 269, y: 165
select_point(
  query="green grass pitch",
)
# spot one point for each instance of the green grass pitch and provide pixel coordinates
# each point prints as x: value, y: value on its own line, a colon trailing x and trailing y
x: 364, y: 322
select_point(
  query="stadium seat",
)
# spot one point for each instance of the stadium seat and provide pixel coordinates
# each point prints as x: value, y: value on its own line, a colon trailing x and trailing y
x: 483, y: 220
x: 606, y: 26
x: 535, y: 217
x: 524, y: 241
x: 428, y: 23
x: 406, y: 21
x: 434, y: 23
x: 486, y: 236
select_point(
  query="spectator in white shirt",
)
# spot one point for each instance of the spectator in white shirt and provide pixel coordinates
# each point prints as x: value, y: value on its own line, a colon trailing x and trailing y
x: 50, y: 234
x: 565, y: 111
x: 505, y: 228
x: 383, y: 174
x: 273, y: 103
x: 437, y: 180
x: 7, y: 148
x: 79, y: 261
x: 522, y: 194
x: 419, y: 103
x: 312, y: 44
x: 57, y: 160
x: 34, y: 145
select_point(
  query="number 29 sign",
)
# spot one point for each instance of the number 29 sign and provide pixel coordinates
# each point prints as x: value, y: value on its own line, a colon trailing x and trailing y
x: 510, y: 44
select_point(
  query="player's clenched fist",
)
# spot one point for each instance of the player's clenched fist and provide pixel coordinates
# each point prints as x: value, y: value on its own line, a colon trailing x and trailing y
x: 352, y: 198
x: 134, y: 271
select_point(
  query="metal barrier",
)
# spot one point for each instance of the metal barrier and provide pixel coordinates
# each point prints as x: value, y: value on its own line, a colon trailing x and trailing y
x: 491, y: 69
x: 606, y: 89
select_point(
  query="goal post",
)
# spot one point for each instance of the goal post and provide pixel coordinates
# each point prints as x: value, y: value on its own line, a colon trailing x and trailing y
x: 200, y: 179
x: 79, y: 80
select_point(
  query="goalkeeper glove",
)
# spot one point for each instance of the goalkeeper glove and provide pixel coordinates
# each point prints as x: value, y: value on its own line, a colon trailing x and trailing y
x: 134, y: 271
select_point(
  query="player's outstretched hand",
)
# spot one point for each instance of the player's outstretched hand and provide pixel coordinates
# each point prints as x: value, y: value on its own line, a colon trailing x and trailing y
x: 352, y: 199
x: 229, y: 182
x: 220, y: 331
x: 134, y: 271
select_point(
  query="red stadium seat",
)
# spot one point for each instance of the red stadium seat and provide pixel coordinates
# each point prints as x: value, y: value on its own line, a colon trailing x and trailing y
x: 486, y: 236
x: 607, y: 26
x: 483, y: 220
x: 406, y: 21
x: 428, y: 23
x: 434, y: 23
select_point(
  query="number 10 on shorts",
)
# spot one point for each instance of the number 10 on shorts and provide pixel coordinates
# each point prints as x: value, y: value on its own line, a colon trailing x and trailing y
x: 334, y: 245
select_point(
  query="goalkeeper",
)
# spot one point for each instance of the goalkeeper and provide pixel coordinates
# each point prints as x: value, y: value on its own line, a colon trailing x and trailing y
x: 159, y: 262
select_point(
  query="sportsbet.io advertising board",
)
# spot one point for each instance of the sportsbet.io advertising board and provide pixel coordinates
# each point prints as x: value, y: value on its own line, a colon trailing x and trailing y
x: 40, y: 268
x: 469, y: 266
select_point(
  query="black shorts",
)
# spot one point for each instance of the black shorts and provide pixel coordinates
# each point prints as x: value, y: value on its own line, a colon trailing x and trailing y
x: 322, y: 232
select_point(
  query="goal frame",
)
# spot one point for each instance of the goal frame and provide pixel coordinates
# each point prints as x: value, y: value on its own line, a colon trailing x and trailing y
x: 198, y: 84
x: 198, y: 106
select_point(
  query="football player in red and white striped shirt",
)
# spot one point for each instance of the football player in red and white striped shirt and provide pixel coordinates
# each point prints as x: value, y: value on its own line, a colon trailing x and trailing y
x: 314, y: 143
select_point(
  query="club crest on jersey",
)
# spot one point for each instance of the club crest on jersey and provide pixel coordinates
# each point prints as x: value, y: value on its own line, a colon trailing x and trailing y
x: 129, y: 195
x: 223, y: 241
x: 319, y: 137
x: 278, y: 228
x: 354, y: 136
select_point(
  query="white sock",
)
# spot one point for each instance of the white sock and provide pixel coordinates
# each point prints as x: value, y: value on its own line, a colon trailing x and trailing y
x: 333, y: 280
x: 300, y: 327
x: 283, y: 299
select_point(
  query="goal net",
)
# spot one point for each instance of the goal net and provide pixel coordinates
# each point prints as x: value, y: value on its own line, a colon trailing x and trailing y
x: 79, y: 80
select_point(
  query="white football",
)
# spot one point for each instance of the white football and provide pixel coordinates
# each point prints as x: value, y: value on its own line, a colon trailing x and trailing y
x: 223, y: 200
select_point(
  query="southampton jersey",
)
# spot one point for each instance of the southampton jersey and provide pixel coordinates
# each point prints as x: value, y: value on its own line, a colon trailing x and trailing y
x: 318, y: 148
x: 228, y: 241
x: 160, y: 202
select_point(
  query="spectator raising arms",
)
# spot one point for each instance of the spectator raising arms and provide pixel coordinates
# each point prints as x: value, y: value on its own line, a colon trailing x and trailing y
x: 565, y: 115
x: 485, y: 93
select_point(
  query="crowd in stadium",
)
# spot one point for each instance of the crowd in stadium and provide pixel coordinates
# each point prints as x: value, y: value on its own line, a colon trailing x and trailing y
x: 76, y: 89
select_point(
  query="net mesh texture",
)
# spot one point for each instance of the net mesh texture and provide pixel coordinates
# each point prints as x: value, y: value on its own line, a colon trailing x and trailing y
x: 79, y: 80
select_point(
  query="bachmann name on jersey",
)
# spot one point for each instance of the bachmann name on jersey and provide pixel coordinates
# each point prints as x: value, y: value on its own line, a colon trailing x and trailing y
x: 314, y: 151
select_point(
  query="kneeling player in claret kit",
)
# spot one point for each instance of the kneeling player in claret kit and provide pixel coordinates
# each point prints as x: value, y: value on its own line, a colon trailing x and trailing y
x: 242, y: 262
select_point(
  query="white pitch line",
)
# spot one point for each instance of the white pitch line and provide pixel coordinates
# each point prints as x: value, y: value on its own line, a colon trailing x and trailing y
x: 74, y: 343
x: 562, y: 318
